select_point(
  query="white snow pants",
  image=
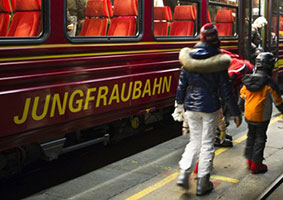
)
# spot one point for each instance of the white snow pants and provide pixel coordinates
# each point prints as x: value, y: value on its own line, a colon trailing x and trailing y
x: 201, y: 146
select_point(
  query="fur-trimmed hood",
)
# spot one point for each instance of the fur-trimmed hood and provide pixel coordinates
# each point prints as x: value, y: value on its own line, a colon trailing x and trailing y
x: 212, y: 64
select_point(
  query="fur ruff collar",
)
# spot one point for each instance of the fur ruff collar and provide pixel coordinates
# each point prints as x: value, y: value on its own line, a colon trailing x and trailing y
x: 216, y: 63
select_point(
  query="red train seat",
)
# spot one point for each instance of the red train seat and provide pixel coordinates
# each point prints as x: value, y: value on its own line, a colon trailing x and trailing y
x: 5, y: 16
x: 224, y: 22
x: 281, y: 26
x: 124, y: 22
x: 97, y: 18
x: 27, y: 19
x: 208, y: 17
x: 162, y: 16
x: 184, y: 21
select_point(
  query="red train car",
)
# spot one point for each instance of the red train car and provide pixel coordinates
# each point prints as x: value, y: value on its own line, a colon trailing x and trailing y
x: 70, y: 76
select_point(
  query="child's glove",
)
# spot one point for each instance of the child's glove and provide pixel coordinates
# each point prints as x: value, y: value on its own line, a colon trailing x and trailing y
x: 185, y: 128
x: 238, y: 120
x: 178, y: 114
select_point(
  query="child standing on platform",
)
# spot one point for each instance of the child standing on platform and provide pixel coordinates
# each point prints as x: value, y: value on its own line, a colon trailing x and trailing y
x: 257, y: 94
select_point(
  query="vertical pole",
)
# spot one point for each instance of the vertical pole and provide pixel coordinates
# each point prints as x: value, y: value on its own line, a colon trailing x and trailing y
x: 245, y: 15
x: 203, y: 12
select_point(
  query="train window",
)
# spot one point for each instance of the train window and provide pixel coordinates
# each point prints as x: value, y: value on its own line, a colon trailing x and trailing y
x: 21, y: 19
x: 224, y: 18
x: 229, y: 2
x: 175, y: 18
x: 102, y: 18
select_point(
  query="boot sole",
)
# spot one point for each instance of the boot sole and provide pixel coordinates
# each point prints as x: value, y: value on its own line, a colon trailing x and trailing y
x: 206, y: 192
x: 183, y: 186
x: 259, y: 172
x: 222, y: 145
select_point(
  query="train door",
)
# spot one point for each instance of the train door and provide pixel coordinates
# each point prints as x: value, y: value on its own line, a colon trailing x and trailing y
x: 249, y: 11
x: 267, y: 40
x: 272, y: 40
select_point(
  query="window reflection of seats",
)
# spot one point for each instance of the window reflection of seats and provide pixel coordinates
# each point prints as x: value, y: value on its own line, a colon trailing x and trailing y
x: 224, y: 22
x: 98, y: 15
x: 162, y: 20
x: 22, y: 20
x: 103, y: 19
x: 124, y: 22
x: 184, y: 21
x: 5, y: 16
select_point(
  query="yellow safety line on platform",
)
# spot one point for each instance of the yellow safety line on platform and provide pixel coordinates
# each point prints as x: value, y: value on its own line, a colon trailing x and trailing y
x: 221, y: 150
x: 276, y: 119
x: 173, y: 176
x: 224, y: 178
x: 154, y: 187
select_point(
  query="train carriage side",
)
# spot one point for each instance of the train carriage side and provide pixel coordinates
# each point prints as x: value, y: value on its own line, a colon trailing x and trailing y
x: 274, y: 36
x: 280, y: 65
x: 62, y: 87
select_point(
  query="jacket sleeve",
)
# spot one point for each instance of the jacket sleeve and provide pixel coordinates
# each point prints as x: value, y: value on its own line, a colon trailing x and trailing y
x: 241, y: 100
x: 275, y: 93
x: 182, y: 87
x: 226, y: 93
x: 69, y: 18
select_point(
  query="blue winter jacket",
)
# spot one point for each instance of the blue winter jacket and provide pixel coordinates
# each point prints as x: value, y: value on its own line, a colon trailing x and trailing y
x: 202, y: 91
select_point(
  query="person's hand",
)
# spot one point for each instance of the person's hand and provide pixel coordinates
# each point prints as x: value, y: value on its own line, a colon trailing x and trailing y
x: 178, y: 114
x: 82, y: 21
x: 70, y: 27
x: 238, y: 120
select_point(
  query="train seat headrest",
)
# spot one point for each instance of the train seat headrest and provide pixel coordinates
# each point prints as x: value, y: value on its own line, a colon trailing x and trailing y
x: 185, y: 13
x: 162, y: 13
x: 125, y: 8
x: 28, y: 5
x: 224, y: 16
x: 5, y: 6
x: 99, y: 8
x: 29, y: 24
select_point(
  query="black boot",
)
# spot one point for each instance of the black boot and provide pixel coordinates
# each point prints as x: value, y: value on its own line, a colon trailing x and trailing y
x: 204, y: 185
x: 183, y: 179
x: 222, y: 143
x: 229, y: 137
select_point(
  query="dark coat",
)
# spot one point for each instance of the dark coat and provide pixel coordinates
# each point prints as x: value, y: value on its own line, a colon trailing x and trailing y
x: 202, y: 91
x: 76, y: 8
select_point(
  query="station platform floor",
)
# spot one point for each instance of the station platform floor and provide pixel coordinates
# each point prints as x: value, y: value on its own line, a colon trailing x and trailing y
x: 151, y: 174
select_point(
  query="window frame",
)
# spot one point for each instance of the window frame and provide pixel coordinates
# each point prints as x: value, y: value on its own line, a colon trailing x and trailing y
x: 215, y: 2
x: 178, y: 38
x: 237, y: 21
x: 45, y: 7
x: 107, y: 39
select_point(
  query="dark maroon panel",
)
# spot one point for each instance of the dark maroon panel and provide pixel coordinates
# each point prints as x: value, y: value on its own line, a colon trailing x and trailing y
x: 31, y: 108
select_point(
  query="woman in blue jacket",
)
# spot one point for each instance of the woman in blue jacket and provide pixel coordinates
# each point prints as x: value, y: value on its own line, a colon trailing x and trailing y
x: 203, y: 81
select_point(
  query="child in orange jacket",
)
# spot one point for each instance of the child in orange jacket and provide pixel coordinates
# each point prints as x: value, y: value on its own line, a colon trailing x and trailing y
x: 258, y: 92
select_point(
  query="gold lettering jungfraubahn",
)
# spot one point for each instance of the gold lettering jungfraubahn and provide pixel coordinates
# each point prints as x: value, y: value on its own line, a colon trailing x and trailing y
x: 90, y: 98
